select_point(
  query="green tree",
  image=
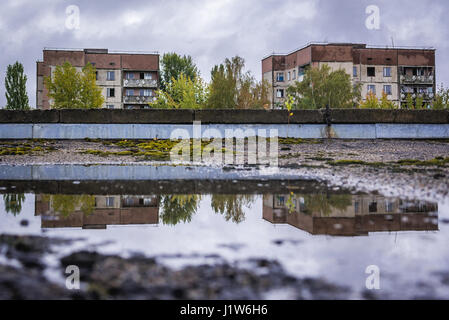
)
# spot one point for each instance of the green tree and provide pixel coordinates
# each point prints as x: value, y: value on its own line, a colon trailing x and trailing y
x: 385, y: 103
x: 231, y: 88
x: 182, y: 93
x: 321, y: 87
x: 419, y: 102
x: 179, y: 208
x: 410, y: 104
x: 15, y: 85
x: 66, y: 204
x: 173, y: 65
x: 71, y: 89
x: 441, y: 100
x: 231, y: 206
x: 371, y: 102
x: 324, y: 204
x: 13, y: 203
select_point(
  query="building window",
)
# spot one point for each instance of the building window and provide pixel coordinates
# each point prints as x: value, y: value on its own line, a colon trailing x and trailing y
x: 129, y: 201
x: 371, y: 72
x: 111, y: 92
x: 356, y: 207
x: 387, y: 89
x: 96, y: 75
x: 288, y: 76
x: 354, y: 72
x: 294, y: 74
x: 110, y: 106
x: 387, y: 72
x: 280, y: 77
x: 148, y: 76
x: 129, y: 92
x: 130, y: 76
x: 145, y: 92
x: 280, y: 201
x: 110, y: 201
x: 372, y: 207
x: 388, y: 206
x: 110, y: 76
x: 280, y: 93
x: 372, y: 88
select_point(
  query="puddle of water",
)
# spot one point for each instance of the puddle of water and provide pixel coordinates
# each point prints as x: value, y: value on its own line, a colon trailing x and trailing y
x: 310, y: 229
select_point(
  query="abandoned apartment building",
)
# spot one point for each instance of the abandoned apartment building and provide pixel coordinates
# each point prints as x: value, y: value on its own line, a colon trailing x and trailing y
x: 397, y: 72
x: 128, y: 80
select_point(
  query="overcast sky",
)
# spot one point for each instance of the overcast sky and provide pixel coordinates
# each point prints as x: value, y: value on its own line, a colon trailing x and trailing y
x: 211, y: 30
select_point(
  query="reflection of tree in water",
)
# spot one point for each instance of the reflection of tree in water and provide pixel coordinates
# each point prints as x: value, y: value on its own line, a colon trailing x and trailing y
x: 324, y: 203
x: 231, y: 205
x: 177, y: 208
x: 13, y: 202
x: 66, y: 204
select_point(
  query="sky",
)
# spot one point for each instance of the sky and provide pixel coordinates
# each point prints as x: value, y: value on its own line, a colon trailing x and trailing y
x: 212, y: 30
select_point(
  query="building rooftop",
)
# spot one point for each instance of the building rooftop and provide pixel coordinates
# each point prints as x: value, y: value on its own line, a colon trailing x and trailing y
x: 100, y: 50
x: 355, y: 45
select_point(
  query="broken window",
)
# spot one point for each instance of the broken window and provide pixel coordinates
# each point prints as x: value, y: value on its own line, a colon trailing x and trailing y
x: 371, y: 72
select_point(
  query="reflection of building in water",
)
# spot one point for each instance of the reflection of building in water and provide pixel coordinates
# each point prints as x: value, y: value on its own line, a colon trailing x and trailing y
x: 349, y: 215
x: 96, y: 212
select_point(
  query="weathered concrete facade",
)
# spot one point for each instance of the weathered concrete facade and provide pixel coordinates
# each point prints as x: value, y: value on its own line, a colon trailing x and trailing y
x: 364, y: 214
x: 105, y: 210
x: 127, y: 80
x: 397, y: 72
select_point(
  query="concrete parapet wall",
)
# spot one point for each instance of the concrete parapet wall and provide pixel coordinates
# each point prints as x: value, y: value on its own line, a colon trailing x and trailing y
x: 158, y: 116
x: 149, y: 124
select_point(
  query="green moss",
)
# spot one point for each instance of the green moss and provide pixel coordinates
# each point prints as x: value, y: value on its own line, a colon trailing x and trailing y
x: 124, y: 153
x: 320, y: 159
x: 439, y: 161
x: 347, y: 162
x: 356, y: 162
x: 299, y: 141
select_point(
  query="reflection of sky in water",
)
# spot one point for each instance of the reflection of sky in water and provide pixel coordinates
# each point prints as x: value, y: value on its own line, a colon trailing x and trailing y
x: 404, y: 258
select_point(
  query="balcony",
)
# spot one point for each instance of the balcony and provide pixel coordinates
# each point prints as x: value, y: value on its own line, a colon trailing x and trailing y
x: 138, y: 99
x: 140, y: 83
x: 426, y: 96
x: 417, y: 79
